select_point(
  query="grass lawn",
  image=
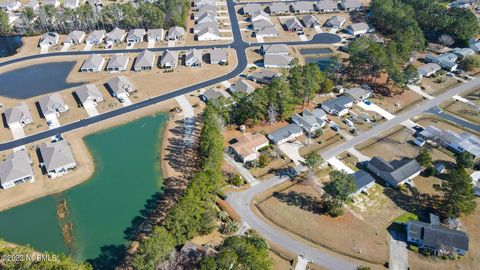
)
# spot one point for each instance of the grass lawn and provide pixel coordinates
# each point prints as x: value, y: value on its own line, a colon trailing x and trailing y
x: 406, y: 217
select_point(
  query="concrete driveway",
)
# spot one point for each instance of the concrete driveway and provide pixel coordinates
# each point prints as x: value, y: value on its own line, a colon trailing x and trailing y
x: 291, y: 151
x: 338, y: 165
x: 398, y: 252
x: 17, y: 131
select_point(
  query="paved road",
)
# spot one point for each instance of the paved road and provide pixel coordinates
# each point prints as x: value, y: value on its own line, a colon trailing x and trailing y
x: 452, y: 118
x: 418, y: 109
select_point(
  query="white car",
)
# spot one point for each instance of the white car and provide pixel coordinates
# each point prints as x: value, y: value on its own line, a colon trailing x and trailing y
x: 348, y: 123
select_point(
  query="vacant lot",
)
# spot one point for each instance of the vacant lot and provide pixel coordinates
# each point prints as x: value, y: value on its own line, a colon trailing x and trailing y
x: 464, y: 110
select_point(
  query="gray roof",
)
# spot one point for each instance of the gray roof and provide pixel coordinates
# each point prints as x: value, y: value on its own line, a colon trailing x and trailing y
x: 198, y: 27
x: 277, y: 60
x: 176, y: 31
x: 428, y: 68
x: 144, y: 59
x: 310, y: 21
x: 260, y: 24
x: 351, y: 4
x: 195, y: 54
x: 207, y: 16
x: 87, y: 92
x: 94, y: 61
x: 438, y: 236
x: 49, y: 37
x: 326, y: 5
x: 285, y: 132
x: 475, y: 46
x: 156, y: 34
x: 359, y: 27
x: 462, y: 52
x: 120, y: 85
x: 75, y: 36
x: 267, y: 31
x: 465, y: 140
x: 293, y: 23
x: 243, y: 86
x: 279, y: 7
x: 336, y: 21
x: 169, y: 57
x: 96, y: 35
x: 218, y: 55
x: 362, y: 179
x: 397, y: 170
x: 338, y: 103
x: 118, y: 61
x: 18, y: 113
x: 300, y: 6
x: 136, y: 34
x: 116, y: 35
x: 264, y: 76
x: 275, y: 49
x: 430, y: 132
x: 250, y: 8
x: 213, y: 94
x: 15, y: 166
x: 56, y: 155
x: 51, y: 103
x: 210, y: 30
x: 203, y: 9
x: 358, y: 92
x: 310, y: 119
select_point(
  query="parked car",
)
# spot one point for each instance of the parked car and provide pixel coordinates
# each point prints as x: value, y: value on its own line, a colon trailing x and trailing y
x: 368, y: 102
x: 335, y: 127
x: 348, y: 122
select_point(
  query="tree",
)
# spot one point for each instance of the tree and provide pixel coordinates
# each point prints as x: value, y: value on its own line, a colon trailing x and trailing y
x: 340, y: 186
x: 312, y: 161
x: 263, y: 160
x: 4, y: 25
x: 458, y: 194
x: 410, y: 73
x: 424, y: 158
x: 465, y: 160
x: 154, y: 250
x: 471, y: 62
x: 272, y: 114
x: 237, y: 180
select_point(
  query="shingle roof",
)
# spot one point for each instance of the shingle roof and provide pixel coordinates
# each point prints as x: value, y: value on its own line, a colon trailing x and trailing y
x: 136, y: 34
x: 359, y: 27
x: 397, y: 170
x: 293, y: 23
x: 145, y: 59
x: 357, y: 92
x: 15, y: 166
x: 194, y: 53
x: 279, y: 7
x: 275, y: 49
x: 156, y: 33
x: 285, y: 132
x: 120, y: 85
x: 310, y: 20
x: 250, y: 8
x: 18, y: 113
x: 438, y: 236
x: 176, y: 31
x: 362, y: 179
x: 118, y: 61
x: 277, y: 60
x: 303, y: 6
x: 56, y: 155
x: 75, y: 36
x: 169, y: 57
x: 116, y: 34
x: 218, y: 55
x: 51, y: 103
x: 326, y: 5
x: 243, y: 86
x: 213, y: 94
x: 87, y: 92
x: 336, y: 21
x: 428, y: 68
x: 93, y: 61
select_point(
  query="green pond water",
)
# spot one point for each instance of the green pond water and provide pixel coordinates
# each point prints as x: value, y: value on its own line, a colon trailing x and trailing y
x: 127, y: 174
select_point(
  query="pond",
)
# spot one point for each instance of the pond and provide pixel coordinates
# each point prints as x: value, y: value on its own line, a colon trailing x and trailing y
x: 309, y: 51
x: 127, y: 174
x: 35, y: 80
x: 323, y: 62
x: 9, y: 45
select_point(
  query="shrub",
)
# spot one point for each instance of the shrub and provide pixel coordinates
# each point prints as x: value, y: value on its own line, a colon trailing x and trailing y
x: 263, y: 161
x: 237, y: 180
x: 413, y: 248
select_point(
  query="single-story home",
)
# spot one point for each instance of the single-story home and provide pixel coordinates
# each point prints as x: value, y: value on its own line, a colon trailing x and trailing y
x: 121, y: 87
x: 52, y: 104
x: 310, y: 121
x: 335, y: 21
x: 175, y: 33
x: 207, y: 16
x: 396, y: 172
x: 115, y: 36
x: 242, y: 86
x: 285, y: 134
x: 302, y: 7
x: 249, y: 9
x: 293, y: 24
x: 205, y: 8
x: 358, y: 94
x: 437, y: 238
x: 94, y: 63
x: 194, y: 58
x: 209, y: 33
x: 145, y: 61
x: 275, y: 49
x: 74, y: 38
x: 218, y: 56
x: 169, y: 59
x: 48, y: 40
x: 363, y: 182
x: 267, y: 31
x: 278, y: 8
x: 338, y: 106
x: 95, y: 37
x: 264, y: 76
x: 259, y: 15
x: 247, y: 146
x: 351, y: 5
x: 326, y: 6
x: 475, y: 46
x: 356, y: 29
x: 463, y: 142
x: 310, y: 21
x: 428, y: 70
x: 277, y: 61
x: 211, y: 95
x: 56, y: 158
x: 88, y: 94
x: 136, y: 35
x: 16, y: 169
x: 199, y: 27
x: 18, y: 115
x: 199, y: 3
x: 445, y: 60
x: 259, y: 24
x: 463, y: 52
x: 118, y: 62
x: 155, y: 35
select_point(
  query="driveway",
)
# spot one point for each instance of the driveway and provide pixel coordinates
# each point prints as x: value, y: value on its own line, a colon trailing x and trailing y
x: 91, y: 110
x: 17, y: 131
x: 291, y: 151
x: 245, y: 173
x: 418, y: 90
x: 398, y: 252
x: 338, y: 165
x: 375, y: 108
x: 53, y: 120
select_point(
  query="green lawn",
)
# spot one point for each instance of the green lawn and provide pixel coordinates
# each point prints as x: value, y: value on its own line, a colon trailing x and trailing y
x: 405, y: 218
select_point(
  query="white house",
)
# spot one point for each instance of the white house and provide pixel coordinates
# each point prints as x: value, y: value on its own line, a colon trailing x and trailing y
x: 48, y: 40
x: 57, y: 158
x: 52, y: 104
x: 285, y: 134
x: 356, y: 29
x: 310, y: 121
x: 338, y: 106
x: 135, y: 35
x: 18, y: 115
x: 121, y: 87
x: 16, y: 169
x: 89, y: 95
x: 194, y: 58
x: 247, y: 146
x: 95, y: 37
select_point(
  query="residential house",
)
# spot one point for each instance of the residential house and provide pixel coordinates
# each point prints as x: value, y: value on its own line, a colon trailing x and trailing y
x: 277, y: 49
x: 10, y: 5
x: 293, y: 24
x: 194, y: 58
x: 463, y: 52
x: 363, y: 182
x: 310, y: 121
x: 310, y: 21
x: 267, y: 31
x: 56, y: 158
x: 32, y: 4
x: 302, y: 7
x: 429, y: 133
x: 199, y: 27
x: 175, y: 33
x: 396, y: 172
x: 207, y: 16
x: 200, y: 3
x: 155, y: 35
x: 285, y: 134
x: 169, y: 59
x: 463, y: 142
x: 326, y: 6
x: 209, y: 33
x: 71, y: 4
x: 358, y: 94
x: 475, y: 46
x: 436, y: 238
x: 120, y: 87
x: 118, y: 62
x: 428, y: 70
x: 95, y: 37
x: 145, y: 61
x: 218, y: 56
x: 74, y: 38
x: 277, y: 61
x: 115, y: 36
x: 18, y: 115
x: 89, y: 95
x: 94, y: 63
x: 351, y: 5
x: 356, y: 29
x: 211, y: 95
x: 338, y: 106
x: 335, y: 22
x: 445, y: 60
x: 259, y: 15
x: 135, y: 35
x: 54, y: 3
x: 249, y: 9
x: 52, y: 104
x: 48, y: 40
x: 247, y: 146
x: 16, y: 169
x: 202, y: 10
x: 260, y: 24
x: 279, y: 8
x: 242, y: 86
x: 264, y: 76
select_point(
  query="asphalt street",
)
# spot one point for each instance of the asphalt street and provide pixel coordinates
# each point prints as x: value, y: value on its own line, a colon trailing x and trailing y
x: 454, y: 119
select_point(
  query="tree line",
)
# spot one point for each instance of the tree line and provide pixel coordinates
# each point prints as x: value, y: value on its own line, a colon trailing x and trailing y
x: 161, y: 14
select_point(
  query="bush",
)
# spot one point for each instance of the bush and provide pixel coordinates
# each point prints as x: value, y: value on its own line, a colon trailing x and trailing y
x: 237, y: 180
x: 263, y: 161
x: 429, y: 171
x: 229, y: 227
x: 413, y: 248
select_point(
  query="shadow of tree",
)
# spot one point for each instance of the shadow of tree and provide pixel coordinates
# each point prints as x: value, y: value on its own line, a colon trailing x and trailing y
x: 302, y: 200
x: 110, y: 257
